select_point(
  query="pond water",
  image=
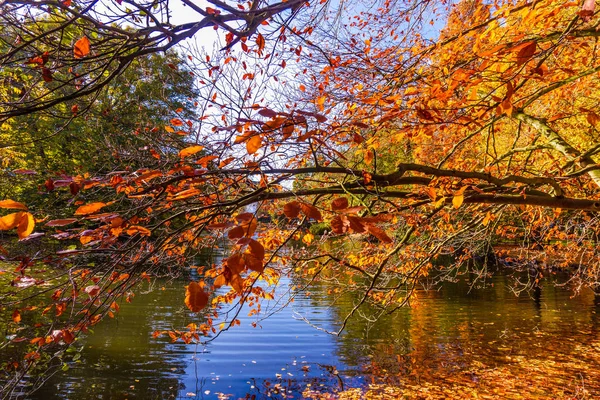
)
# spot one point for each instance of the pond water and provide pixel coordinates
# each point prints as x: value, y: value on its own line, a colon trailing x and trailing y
x: 481, y: 341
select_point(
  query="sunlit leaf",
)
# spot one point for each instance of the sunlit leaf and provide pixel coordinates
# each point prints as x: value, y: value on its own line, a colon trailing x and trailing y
x: 188, y: 151
x: 82, y: 47
x: 253, y: 144
x: 195, y: 297
x: 12, y: 204
x: 90, y: 208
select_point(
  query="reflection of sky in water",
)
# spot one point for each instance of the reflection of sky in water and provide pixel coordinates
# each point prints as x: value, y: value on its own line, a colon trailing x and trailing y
x: 443, y: 335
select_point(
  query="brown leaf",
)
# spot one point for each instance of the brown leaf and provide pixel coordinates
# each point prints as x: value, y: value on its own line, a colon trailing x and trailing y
x: 236, y: 233
x: 339, y: 204
x: 292, y: 209
x: 61, y: 222
x: 235, y: 263
x: 525, y: 52
x: 311, y: 211
x: 195, y: 297
x: 378, y: 233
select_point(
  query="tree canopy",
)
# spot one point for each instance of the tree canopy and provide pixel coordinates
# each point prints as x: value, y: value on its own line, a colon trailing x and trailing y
x: 370, y: 148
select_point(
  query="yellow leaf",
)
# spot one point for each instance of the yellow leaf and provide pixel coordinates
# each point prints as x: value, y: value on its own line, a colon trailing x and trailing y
x: 190, y: 151
x: 169, y: 129
x: 458, y: 200
x: 308, y: 238
x: 12, y: 204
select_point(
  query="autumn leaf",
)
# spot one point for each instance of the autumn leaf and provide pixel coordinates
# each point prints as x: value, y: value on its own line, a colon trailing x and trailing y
x: 195, y: 297
x: 10, y: 221
x: 260, y: 42
x: 16, y: 316
x: 378, y: 233
x: 236, y: 233
x: 188, y: 151
x: 26, y: 225
x: 339, y: 204
x: 61, y: 222
x: 92, y: 290
x: 311, y: 211
x: 82, y: 47
x: 525, y: 52
x: 292, y: 209
x: 138, y: 229
x: 13, y: 204
x: 253, y: 144
x: 90, y: 208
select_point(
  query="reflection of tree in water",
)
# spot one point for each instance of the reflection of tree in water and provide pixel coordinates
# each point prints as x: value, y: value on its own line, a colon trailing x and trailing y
x: 120, y: 358
x: 480, y: 339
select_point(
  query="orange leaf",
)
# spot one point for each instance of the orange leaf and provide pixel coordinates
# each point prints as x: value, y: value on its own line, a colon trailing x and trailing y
x: 16, y: 316
x: 176, y: 122
x: 90, y: 208
x: 82, y: 47
x: 12, y: 204
x: 195, y: 297
x: 26, y: 225
x: 253, y: 144
x: 369, y: 157
x: 139, y: 229
x: 10, y: 221
x: 190, y: 150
